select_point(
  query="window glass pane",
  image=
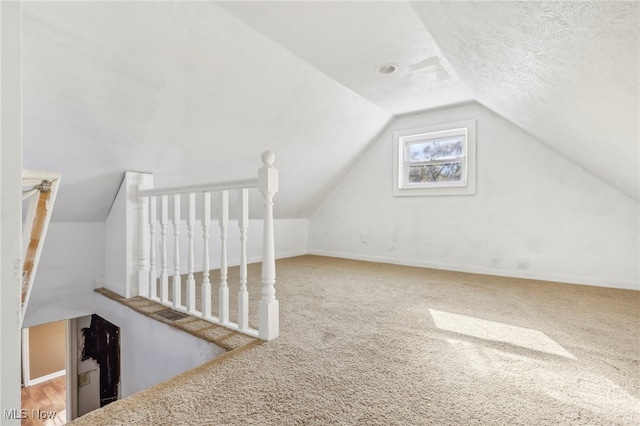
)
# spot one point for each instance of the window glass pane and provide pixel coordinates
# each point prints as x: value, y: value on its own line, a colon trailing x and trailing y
x: 426, y: 173
x: 436, y: 150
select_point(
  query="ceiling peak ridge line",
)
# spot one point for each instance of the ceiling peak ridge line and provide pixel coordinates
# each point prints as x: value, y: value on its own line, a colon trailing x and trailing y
x: 302, y: 60
x: 558, y: 153
x: 456, y: 75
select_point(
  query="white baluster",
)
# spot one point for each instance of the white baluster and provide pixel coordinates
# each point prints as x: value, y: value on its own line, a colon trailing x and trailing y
x: 191, y: 282
x: 164, y: 276
x: 206, y: 284
x: 223, y: 293
x: 268, y: 308
x: 153, y: 285
x: 177, y: 280
x: 243, y: 295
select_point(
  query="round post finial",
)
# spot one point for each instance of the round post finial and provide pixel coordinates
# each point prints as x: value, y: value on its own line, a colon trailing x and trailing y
x: 267, y: 158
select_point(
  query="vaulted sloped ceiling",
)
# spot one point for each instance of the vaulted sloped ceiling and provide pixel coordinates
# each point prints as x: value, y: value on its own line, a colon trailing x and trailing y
x: 348, y: 40
x: 183, y: 90
x: 194, y: 91
x: 566, y: 72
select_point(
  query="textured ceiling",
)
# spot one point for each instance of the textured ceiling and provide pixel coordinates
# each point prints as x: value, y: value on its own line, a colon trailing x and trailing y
x: 566, y: 72
x: 194, y: 91
x: 348, y: 41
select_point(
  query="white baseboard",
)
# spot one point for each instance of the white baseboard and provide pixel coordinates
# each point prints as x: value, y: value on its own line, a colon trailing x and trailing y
x: 474, y: 269
x: 47, y: 377
x: 294, y: 253
x: 258, y: 259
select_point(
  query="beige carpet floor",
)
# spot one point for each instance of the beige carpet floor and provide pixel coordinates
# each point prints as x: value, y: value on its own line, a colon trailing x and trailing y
x: 374, y: 344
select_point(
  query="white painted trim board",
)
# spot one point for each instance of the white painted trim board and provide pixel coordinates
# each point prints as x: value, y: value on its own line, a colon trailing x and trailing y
x: 47, y: 377
x: 473, y: 269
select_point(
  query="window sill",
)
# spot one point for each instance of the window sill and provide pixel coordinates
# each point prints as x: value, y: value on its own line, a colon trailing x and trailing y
x: 423, y: 192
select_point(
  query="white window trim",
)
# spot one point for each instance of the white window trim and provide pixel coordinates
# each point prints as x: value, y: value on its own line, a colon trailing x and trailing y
x: 401, y: 137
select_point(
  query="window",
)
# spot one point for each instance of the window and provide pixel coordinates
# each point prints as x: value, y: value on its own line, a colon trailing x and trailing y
x: 435, y: 160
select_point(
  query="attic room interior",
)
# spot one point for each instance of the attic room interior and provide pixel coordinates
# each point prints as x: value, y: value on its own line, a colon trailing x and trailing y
x: 439, y: 221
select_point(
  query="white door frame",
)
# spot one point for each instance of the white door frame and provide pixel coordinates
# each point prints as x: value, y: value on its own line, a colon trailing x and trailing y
x: 72, y: 369
x: 26, y: 369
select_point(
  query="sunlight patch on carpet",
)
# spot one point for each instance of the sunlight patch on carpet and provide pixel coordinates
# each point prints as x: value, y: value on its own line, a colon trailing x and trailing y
x: 498, y: 332
x: 584, y: 389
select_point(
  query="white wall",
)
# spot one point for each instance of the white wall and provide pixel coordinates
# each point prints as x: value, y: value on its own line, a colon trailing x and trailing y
x: 115, y: 238
x: 72, y: 261
x: 535, y: 214
x: 10, y: 200
x: 150, y: 351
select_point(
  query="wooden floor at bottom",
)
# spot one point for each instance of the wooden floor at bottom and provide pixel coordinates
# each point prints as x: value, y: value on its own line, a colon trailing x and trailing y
x: 41, y: 401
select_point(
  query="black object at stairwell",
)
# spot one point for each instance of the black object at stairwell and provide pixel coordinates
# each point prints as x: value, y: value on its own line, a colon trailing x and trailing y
x: 102, y: 344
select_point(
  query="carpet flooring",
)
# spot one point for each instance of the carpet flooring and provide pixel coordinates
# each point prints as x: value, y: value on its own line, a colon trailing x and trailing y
x: 374, y: 344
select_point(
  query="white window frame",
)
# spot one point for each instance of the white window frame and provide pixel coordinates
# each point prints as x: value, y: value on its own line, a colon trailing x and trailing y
x: 403, y: 138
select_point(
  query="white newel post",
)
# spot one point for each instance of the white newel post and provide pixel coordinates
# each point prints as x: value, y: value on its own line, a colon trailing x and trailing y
x: 144, y: 182
x: 268, y: 309
x: 153, y: 218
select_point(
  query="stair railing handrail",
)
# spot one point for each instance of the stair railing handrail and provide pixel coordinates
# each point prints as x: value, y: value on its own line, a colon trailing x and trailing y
x: 208, y: 187
x: 147, y: 203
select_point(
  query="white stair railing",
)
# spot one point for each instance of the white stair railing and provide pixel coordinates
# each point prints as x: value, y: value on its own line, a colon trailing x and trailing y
x: 268, y: 308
